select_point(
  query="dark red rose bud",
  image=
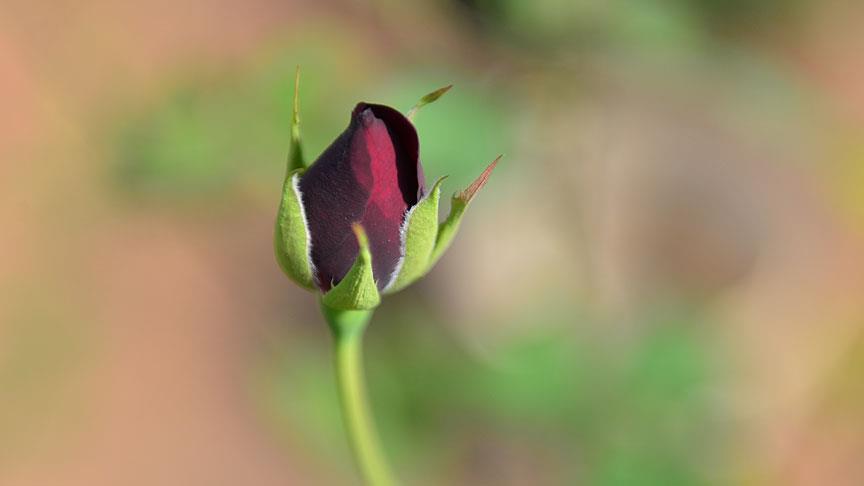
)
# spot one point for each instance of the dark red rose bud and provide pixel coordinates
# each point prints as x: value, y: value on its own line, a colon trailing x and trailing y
x: 371, y: 174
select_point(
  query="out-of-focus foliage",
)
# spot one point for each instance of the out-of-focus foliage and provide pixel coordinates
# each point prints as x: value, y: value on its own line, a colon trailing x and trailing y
x: 660, y: 285
x: 219, y: 130
x: 640, y: 420
x: 557, y: 25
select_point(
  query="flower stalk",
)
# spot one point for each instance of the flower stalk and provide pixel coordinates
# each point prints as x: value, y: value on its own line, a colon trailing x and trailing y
x: 347, y: 327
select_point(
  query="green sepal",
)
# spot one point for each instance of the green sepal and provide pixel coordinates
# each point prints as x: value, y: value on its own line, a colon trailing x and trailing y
x: 426, y: 99
x: 447, y: 230
x: 418, y: 240
x: 295, y: 155
x: 458, y: 204
x: 291, y: 239
x: 357, y: 291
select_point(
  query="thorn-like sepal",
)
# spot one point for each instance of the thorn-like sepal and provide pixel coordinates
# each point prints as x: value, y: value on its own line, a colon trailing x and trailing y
x: 458, y: 204
x: 357, y: 290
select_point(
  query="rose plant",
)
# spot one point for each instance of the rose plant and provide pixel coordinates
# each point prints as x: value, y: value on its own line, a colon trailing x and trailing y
x: 359, y: 223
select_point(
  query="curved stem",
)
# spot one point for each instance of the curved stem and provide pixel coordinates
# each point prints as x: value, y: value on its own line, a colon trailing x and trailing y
x: 348, y: 327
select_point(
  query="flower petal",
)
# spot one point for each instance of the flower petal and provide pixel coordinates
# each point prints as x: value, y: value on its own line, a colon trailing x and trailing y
x: 371, y: 174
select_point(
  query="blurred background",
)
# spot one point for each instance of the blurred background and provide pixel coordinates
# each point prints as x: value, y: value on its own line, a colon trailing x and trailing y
x: 662, y: 284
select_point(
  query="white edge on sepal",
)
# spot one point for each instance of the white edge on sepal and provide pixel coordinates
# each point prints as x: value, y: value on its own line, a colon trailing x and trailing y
x: 403, y: 243
x: 295, y: 184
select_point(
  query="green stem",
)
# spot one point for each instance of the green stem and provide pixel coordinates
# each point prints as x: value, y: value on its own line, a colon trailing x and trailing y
x: 348, y: 327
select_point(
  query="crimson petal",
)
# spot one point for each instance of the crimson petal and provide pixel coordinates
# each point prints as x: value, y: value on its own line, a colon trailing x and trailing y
x: 370, y: 174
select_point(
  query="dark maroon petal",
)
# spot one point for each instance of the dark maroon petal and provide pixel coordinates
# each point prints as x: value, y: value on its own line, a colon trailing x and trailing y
x: 370, y: 174
x: 404, y: 136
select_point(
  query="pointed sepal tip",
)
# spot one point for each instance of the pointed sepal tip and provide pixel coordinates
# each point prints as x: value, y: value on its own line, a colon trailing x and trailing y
x: 295, y: 154
x: 468, y: 194
x: 426, y: 99
x: 458, y: 204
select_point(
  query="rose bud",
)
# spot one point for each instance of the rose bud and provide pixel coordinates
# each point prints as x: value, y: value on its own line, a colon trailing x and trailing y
x: 359, y: 222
